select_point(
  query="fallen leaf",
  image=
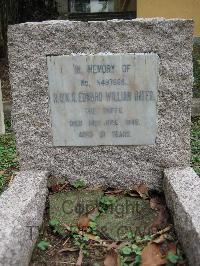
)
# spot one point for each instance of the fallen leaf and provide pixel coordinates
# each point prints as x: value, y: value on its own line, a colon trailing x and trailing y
x: 58, y: 187
x: 172, y: 247
x: 84, y: 219
x: 163, y: 231
x: 158, y: 204
x: 161, y: 220
x: 154, y: 203
x: 55, y: 188
x: 83, y: 222
x: 160, y: 239
x: 114, y: 192
x: 89, y: 236
x: 2, y: 172
x: 95, y: 188
x: 151, y: 256
x: 133, y: 194
x: 80, y: 258
x: 168, y: 247
x: 113, y: 245
x: 69, y: 249
x: 112, y: 259
x: 142, y: 190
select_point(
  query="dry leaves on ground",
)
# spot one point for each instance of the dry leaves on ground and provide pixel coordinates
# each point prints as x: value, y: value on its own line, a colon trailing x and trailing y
x: 80, y: 258
x: 112, y: 259
x: 141, y: 190
x: 152, y: 256
x: 114, y: 192
x: 84, y: 219
x: 58, y: 187
x: 158, y: 204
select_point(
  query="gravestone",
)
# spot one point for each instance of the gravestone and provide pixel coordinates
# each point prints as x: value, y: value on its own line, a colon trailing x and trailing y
x: 108, y: 102
x: 2, y: 125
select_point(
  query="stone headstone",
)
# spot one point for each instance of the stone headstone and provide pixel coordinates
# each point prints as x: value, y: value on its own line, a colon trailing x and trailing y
x: 2, y: 125
x: 159, y: 134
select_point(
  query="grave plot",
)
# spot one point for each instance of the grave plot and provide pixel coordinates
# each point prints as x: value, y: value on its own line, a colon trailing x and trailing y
x: 108, y: 103
x: 110, y: 227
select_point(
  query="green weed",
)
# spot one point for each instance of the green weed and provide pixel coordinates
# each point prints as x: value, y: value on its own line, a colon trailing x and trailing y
x: 79, y: 183
x: 8, y: 158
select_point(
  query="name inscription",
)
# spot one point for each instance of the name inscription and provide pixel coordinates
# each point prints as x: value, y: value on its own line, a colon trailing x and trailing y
x: 103, y: 99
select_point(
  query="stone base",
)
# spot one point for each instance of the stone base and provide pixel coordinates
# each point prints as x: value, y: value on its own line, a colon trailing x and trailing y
x: 21, y: 214
x: 181, y: 187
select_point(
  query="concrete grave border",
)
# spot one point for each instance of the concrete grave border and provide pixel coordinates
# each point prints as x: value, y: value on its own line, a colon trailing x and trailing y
x: 22, y: 206
x: 181, y: 188
x: 21, y: 215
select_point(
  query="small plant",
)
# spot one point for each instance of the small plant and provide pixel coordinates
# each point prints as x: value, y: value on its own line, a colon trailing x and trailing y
x: 106, y: 202
x: 172, y: 258
x: 79, y: 183
x: 8, y: 159
x: 126, y: 250
x: 57, y: 227
x: 43, y: 245
x: 81, y: 242
x: 92, y: 227
x: 132, y: 248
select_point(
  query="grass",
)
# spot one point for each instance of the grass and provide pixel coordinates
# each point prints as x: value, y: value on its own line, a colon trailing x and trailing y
x: 195, y: 144
x: 196, y: 69
x: 8, y: 157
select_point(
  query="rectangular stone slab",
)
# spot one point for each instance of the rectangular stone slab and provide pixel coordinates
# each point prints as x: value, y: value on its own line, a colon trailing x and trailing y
x: 29, y: 44
x: 103, y: 99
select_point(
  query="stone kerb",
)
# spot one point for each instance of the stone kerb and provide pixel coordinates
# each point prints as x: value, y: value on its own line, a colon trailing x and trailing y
x: 21, y: 208
x: 181, y: 187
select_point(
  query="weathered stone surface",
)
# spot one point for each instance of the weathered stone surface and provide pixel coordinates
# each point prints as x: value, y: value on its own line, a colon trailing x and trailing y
x: 126, y: 214
x: 21, y: 212
x: 2, y: 125
x: 103, y: 99
x: 67, y: 207
x: 30, y: 43
x: 181, y: 186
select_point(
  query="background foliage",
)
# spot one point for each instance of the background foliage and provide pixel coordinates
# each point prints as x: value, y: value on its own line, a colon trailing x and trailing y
x: 196, y: 65
x: 18, y: 11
